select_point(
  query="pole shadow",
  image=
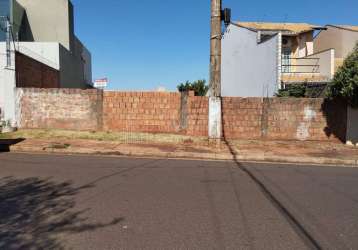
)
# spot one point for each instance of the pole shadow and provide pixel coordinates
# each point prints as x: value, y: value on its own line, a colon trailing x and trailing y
x: 297, y: 225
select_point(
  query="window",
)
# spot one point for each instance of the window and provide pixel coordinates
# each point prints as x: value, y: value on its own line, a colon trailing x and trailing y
x: 4, y: 15
x: 286, y: 60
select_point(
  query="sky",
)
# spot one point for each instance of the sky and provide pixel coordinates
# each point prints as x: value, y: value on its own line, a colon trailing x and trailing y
x: 146, y: 44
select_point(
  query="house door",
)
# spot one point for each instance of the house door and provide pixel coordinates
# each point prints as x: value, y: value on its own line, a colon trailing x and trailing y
x: 286, y: 60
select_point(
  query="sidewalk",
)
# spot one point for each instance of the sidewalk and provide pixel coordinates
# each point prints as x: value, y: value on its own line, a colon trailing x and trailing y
x: 242, y: 150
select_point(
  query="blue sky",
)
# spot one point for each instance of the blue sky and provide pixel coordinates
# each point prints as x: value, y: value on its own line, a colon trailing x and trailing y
x: 142, y: 44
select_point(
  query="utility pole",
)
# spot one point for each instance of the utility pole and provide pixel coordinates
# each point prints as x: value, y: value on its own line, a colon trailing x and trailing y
x: 8, y: 43
x: 215, y: 48
x: 215, y: 126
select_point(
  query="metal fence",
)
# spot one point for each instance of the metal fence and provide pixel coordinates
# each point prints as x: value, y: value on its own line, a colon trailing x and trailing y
x: 300, y: 65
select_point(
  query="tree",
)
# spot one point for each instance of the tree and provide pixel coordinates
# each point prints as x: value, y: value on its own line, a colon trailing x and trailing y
x: 199, y: 87
x: 345, y: 81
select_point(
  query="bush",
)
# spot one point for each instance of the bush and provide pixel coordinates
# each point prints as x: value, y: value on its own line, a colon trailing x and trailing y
x: 293, y: 90
x: 345, y: 81
x: 199, y: 87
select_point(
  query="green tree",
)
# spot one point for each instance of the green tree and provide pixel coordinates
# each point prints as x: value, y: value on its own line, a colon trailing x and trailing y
x: 199, y: 87
x: 345, y: 81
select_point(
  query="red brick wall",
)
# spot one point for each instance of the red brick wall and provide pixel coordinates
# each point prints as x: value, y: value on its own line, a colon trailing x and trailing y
x: 73, y: 109
x: 33, y: 74
x: 198, y: 113
x: 142, y: 112
x: 243, y: 118
x: 283, y: 119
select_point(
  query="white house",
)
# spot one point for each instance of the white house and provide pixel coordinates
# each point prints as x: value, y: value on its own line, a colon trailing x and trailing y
x: 260, y: 58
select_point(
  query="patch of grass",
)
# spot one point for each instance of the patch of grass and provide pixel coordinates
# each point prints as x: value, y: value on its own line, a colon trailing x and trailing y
x: 123, y: 137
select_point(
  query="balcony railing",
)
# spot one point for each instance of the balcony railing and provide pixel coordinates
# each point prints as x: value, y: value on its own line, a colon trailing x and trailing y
x: 300, y: 65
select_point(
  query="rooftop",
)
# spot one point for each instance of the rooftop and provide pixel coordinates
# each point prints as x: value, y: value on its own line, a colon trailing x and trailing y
x: 295, y: 28
x: 347, y: 27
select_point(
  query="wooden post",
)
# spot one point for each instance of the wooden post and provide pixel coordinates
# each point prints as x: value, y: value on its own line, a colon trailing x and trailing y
x: 215, y: 48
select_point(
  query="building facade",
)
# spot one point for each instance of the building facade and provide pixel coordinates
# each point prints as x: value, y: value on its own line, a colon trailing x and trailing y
x: 342, y: 38
x: 38, y: 48
x: 260, y: 58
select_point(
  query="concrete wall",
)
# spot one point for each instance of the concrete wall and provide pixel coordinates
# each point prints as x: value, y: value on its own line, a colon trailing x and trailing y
x: 326, y: 61
x: 243, y: 118
x: 50, y: 20
x: 249, y: 68
x: 350, y: 39
x: 87, y: 61
x: 45, y: 52
x: 73, y: 68
x: 343, y: 41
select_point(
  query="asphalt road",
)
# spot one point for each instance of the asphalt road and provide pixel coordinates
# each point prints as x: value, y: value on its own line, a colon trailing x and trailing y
x: 85, y: 202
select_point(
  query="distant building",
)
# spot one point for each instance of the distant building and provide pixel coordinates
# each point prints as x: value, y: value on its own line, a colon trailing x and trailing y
x: 161, y: 89
x: 342, y: 38
x: 260, y: 58
x: 38, y: 48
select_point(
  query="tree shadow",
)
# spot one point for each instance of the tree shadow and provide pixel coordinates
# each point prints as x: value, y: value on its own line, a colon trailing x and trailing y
x: 335, y: 112
x: 34, y: 211
x: 5, y: 144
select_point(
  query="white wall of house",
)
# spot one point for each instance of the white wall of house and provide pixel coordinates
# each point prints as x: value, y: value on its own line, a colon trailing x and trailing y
x: 249, y: 68
x: 7, y: 86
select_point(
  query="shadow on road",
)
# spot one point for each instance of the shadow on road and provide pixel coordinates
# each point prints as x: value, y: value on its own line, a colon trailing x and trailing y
x: 306, y: 236
x: 34, y: 211
x: 5, y: 144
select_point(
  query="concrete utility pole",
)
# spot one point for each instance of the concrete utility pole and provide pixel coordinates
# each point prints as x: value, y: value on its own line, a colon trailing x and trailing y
x: 215, y: 72
x: 215, y: 48
x: 8, y: 43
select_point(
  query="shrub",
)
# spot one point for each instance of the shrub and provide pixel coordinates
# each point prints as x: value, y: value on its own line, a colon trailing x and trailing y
x: 345, y: 81
x: 293, y: 90
x: 199, y: 87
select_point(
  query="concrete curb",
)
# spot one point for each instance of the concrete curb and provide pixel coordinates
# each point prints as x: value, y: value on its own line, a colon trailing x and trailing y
x: 193, y: 155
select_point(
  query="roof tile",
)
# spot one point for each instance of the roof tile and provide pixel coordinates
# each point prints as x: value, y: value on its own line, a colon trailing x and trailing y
x: 290, y: 27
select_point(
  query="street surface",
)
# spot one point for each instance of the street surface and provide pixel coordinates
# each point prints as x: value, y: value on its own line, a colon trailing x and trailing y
x: 86, y: 202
